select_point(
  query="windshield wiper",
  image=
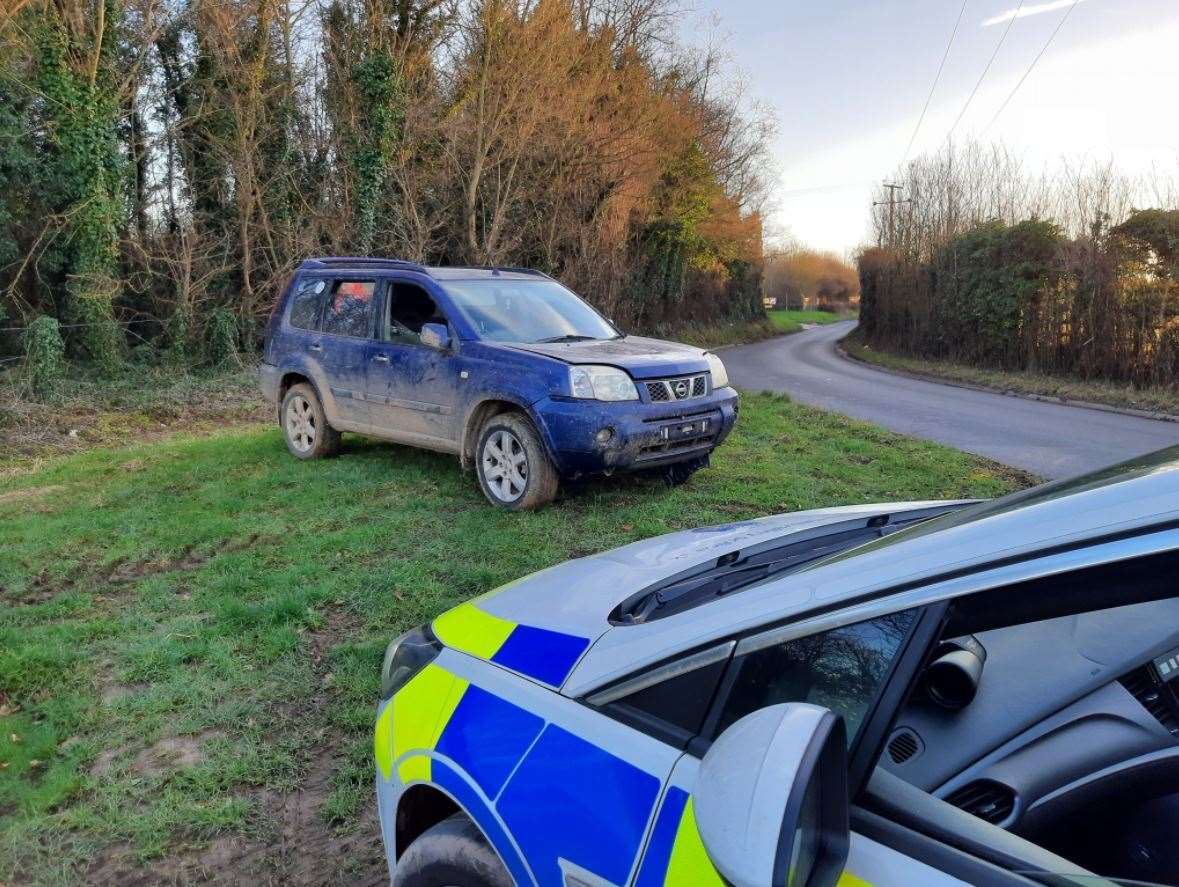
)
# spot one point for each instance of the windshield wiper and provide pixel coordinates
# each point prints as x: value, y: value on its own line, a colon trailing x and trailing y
x: 567, y: 338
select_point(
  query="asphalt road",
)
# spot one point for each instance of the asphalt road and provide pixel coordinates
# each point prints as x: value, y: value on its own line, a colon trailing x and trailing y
x: 1051, y: 440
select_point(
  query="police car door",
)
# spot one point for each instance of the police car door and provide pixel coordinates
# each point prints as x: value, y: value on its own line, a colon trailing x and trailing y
x: 845, y: 669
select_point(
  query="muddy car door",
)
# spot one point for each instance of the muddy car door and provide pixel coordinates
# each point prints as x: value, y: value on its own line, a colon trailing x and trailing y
x: 411, y: 386
x: 346, y: 331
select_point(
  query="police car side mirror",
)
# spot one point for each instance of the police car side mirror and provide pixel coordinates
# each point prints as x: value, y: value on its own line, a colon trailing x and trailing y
x: 436, y: 335
x: 771, y: 798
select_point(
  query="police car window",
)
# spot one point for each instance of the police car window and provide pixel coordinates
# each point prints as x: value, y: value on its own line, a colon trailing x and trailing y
x: 350, y: 308
x: 842, y: 670
x: 680, y: 702
x: 305, y: 304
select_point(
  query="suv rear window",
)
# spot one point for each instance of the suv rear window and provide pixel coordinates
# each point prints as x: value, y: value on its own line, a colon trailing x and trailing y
x: 350, y: 309
x: 306, y: 302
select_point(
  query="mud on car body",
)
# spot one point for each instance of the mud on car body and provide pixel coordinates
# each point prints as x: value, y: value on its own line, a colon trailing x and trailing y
x: 504, y: 367
x: 905, y: 694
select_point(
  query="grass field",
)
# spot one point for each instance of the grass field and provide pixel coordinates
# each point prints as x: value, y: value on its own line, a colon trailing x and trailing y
x: 191, y: 628
x: 788, y: 321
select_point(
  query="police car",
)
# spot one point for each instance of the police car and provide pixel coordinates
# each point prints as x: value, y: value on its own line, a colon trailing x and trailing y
x: 907, y: 694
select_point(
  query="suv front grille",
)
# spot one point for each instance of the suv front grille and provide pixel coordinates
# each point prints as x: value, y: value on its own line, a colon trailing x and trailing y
x: 683, y: 388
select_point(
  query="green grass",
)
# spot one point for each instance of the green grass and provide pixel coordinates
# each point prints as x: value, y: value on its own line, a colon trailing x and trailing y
x: 191, y: 629
x: 714, y: 335
x: 1117, y: 394
x: 788, y: 321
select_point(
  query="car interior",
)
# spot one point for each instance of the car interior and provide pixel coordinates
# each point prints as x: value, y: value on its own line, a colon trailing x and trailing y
x: 1063, y: 731
x: 410, y: 308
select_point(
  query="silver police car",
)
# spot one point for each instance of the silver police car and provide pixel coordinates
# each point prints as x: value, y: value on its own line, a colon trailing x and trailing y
x: 919, y: 693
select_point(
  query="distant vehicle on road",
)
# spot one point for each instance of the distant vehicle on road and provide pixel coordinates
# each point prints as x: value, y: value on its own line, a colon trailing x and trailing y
x: 920, y: 693
x: 504, y: 367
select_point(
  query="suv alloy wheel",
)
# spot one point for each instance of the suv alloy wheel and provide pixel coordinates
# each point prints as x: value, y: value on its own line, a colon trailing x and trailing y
x: 513, y: 468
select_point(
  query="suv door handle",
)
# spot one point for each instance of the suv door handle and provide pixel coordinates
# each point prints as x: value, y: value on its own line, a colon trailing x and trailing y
x: 381, y: 358
x: 315, y: 347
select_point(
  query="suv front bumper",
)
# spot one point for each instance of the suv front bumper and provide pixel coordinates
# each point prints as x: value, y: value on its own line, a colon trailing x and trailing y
x: 641, y: 435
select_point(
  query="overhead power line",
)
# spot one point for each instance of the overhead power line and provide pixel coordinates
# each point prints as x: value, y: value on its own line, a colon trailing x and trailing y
x: 1032, y: 66
x: 937, y: 77
x: 983, y: 75
x: 822, y: 189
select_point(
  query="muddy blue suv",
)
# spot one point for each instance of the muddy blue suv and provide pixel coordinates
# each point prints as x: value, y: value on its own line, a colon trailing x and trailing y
x: 504, y: 367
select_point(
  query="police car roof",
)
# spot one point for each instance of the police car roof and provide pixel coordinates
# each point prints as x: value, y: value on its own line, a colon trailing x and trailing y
x: 1140, y: 494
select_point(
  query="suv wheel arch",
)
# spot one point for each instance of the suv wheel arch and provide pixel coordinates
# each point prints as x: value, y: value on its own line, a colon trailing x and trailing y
x: 480, y: 413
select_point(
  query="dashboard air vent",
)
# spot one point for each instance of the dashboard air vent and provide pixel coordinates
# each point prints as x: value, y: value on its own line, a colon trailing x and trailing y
x: 903, y: 745
x: 1154, y: 697
x: 985, y: 799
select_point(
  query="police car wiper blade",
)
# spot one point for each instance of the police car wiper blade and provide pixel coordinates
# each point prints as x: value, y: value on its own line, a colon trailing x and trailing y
x: 734, y: 576
x: 742, y: 568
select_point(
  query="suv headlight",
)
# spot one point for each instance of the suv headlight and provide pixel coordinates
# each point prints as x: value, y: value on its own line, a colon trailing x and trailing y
x: 601, y: 383
x: 720, y: 376
x: 406, y: 656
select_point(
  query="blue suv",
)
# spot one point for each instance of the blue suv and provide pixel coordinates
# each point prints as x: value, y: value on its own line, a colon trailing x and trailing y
x: 504, y: 367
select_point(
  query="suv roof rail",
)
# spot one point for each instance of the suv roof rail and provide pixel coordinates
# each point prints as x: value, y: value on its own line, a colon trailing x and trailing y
x: 360, y: 262
x: 520, y: 270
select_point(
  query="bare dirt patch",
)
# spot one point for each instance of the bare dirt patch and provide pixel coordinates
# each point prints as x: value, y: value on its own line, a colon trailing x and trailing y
x: 173, y: 753
x: 29, y: 495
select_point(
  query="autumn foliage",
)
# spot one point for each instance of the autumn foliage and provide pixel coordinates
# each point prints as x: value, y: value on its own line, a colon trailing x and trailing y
x: 166, y: 166
x: 810, y: 279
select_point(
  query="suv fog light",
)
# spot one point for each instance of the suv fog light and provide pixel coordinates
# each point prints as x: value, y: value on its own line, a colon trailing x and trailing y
x: 604, y: 435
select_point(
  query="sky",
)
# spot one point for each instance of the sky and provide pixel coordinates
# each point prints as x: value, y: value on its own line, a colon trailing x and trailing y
x: 847, y: 80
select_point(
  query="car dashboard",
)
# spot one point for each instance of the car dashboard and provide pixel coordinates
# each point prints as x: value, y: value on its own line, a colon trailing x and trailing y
x: 1073, y: 719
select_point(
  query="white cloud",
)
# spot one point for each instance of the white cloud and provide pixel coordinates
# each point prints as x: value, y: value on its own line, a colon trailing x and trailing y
x: 1028, y: 10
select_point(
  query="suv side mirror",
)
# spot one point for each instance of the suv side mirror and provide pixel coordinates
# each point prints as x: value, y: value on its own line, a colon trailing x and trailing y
x: 771, y: 798
x: 436, y: 335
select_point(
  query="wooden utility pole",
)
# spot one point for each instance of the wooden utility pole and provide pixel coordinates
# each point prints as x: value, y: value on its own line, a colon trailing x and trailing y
x: 891, y: 203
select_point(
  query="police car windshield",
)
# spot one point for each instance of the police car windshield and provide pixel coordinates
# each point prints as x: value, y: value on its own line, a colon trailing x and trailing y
x: 1151, y: 463
x: 534, y: 311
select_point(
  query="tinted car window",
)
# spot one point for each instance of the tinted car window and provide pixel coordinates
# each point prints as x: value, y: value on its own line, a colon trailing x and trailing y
x: 410, y: 307
x: 305, y: 304
x: 841, y: 670
x: 681, y: 701
x: 350, y: 308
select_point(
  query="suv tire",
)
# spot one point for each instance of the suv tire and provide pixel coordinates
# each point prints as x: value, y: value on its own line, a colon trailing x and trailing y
x: 679, y: 473
x: 513, y: 468
x: 453, y: 853
x: 304, y: 425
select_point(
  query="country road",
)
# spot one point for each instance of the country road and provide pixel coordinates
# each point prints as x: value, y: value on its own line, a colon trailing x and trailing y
x: 1051, y: 440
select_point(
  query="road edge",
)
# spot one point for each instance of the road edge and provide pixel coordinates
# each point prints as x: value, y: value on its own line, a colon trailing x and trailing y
x: 1042, y: 398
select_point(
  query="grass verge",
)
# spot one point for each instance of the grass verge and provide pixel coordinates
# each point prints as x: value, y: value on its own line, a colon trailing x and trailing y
x: 191, y: 628
x: 786, y: 321
x: 1159, y: 400
x: 714, y: 335
x: 141, y: 403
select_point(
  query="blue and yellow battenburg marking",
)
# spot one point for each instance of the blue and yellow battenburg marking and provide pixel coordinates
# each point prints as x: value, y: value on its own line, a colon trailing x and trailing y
x: 538, y: 791
x: 675, y: 854
x: 543, y: 655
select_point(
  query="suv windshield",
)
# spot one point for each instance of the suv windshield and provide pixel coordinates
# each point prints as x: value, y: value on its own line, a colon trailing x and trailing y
x: 527, y: 311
